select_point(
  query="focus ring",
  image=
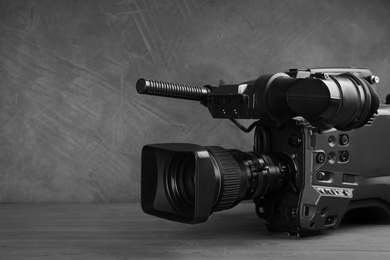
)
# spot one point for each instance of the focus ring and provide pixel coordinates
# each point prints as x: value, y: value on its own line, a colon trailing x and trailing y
x: 230, y: 178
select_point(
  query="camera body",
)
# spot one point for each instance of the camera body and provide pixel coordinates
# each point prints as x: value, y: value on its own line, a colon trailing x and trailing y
x: 319, y: 151
x: 336, y: 171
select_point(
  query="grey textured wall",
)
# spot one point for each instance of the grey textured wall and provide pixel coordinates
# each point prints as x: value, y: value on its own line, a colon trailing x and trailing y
x: 71, y: 123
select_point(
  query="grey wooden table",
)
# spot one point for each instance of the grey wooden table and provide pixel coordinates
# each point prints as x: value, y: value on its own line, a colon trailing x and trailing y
x: 123, y: 231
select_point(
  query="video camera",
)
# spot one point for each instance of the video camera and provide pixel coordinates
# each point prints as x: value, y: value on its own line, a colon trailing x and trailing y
x: 319, y: 151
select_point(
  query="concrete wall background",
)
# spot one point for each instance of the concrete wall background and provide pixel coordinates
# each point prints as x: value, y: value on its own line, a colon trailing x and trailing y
x: 71, y: 123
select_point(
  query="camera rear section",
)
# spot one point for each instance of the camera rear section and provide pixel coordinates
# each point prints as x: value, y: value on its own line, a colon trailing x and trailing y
x: 337, y: 172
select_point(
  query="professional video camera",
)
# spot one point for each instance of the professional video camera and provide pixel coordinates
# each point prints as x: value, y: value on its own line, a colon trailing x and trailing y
x: 319, y: 151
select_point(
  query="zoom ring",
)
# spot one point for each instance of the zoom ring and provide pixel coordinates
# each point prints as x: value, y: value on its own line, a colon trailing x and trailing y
x: 230, y: 177
x: 167, y: 89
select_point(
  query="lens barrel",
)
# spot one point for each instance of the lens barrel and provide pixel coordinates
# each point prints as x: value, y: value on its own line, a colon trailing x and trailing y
x: 186, y: 183
x: 246, y: 175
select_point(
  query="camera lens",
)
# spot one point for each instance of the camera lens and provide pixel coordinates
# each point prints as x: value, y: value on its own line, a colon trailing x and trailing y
x: 187, y: 183
x: 241, y: 176
x: 180, y: 182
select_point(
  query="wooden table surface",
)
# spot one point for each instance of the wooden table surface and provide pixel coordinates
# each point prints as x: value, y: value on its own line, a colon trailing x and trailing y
x: 123, y: 231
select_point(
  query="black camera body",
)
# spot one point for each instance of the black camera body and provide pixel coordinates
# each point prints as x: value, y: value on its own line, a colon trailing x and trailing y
x: 319, y: 151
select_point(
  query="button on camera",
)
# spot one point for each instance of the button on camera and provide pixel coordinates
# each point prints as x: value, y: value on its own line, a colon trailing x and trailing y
x: 320, y: 158
x: 323, y: 176
x: 343, y: 156
x: 344, y: 140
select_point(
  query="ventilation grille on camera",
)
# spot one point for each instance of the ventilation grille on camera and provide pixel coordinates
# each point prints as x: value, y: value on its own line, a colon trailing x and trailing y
x: 230, y: 177
x: 371, y: 120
